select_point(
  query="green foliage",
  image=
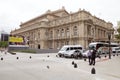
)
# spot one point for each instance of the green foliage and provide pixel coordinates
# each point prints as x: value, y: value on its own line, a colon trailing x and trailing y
x: 3, y: 44
x: 117, y: 36
x: 118, y: 30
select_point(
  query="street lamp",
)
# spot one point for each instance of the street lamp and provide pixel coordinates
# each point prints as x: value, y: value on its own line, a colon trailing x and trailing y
x: 109, y: 38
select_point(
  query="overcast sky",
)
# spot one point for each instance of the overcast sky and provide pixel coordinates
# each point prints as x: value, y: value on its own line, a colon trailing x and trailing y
x: 13, y: 12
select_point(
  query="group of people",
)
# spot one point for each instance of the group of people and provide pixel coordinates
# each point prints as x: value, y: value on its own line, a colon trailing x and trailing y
x: 91, y: 56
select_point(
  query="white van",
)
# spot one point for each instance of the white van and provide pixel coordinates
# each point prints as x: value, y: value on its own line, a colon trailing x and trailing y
x: 115, y: 47
x: 71, y: 51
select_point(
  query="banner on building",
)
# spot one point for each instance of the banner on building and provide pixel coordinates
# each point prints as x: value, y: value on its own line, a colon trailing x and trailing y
x: 16, y: 39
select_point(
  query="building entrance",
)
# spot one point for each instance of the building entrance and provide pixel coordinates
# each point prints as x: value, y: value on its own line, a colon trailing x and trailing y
x: 38, y: 46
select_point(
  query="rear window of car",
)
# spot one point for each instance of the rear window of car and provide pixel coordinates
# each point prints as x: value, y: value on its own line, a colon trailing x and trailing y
x: 75, y: 48
x: 80, y: 48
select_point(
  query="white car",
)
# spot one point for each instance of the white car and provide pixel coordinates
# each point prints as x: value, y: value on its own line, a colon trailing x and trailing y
x: 73, y: 54
x: 85, y: 53
x: 71, y: 51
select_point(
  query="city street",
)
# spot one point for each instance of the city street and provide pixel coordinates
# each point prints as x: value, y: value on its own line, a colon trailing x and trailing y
x: 24, y: 66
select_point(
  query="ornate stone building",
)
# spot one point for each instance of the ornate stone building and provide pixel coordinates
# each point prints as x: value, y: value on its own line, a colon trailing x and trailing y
x: 54, y: 29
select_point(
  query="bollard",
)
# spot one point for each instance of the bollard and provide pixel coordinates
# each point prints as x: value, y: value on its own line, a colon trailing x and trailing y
x: 105, y: 56
x: 17, y: 58
x: 99, y: 57
x: 84, y: 59
x: 117, y: 54
x: 30, y: 57
x: 1, y: 58
x: 75, y: 65
x: 56, y: 56
x: 93, y: 71
x: 5, y: 52
x: 113, y: 54
x: 48, y: 67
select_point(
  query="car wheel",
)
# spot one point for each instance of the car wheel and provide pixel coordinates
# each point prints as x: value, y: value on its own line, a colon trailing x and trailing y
x: 60, y: 55
x: 80, y: 55
x: 72, y: 56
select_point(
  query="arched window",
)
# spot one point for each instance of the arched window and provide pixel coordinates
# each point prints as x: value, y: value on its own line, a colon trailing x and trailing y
x: 51, y: 34
x: 58, y: 33
x: 67, y: 42
x: 57, y: 45
x: 92, y: 32
x: 75, y: 31
x: 89, y: 29
x: 68, y: 32
x: 62, y: 32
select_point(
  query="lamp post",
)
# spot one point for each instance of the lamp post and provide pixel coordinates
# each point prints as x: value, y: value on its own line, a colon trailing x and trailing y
x: 109, y: 38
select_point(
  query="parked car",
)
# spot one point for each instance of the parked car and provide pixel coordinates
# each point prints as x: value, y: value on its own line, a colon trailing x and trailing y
x: 115, y: 47
x: 73, y: 51
x: 117, y: 50
x: 85, y: 53
x: 73, y: 54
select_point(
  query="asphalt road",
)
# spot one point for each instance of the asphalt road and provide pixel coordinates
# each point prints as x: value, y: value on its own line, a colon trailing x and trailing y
x: 49, y: 67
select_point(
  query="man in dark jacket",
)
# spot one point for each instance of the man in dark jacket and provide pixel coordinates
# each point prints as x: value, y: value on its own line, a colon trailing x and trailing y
x: 93, y: 57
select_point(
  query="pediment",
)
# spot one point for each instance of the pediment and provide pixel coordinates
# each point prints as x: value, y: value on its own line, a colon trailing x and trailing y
x: 44, y: 19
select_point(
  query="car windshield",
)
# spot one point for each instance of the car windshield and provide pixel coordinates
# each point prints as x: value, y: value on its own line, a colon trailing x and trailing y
x: 85, y: 49
x: 63, y: 48
x: 118, y: 48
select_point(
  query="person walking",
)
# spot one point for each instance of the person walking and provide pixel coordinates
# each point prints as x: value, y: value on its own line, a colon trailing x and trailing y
x: 93, y: 56
x: 89, y: 56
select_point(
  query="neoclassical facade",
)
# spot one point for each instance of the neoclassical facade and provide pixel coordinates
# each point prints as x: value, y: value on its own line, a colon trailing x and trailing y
x: 54, y: 29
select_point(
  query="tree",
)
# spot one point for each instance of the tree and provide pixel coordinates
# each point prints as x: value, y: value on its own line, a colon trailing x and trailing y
x: 3, y: 44
x: 117, y: 36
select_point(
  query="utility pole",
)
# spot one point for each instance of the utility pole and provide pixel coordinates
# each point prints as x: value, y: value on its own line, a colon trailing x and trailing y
x: 109, y: 38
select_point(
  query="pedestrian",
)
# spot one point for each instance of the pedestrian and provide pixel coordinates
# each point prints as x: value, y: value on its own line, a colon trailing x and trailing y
x: 93, y: 56
x: 89, y: 56
x: 5, y: 51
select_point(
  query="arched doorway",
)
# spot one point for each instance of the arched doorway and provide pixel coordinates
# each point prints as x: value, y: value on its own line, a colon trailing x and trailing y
x: 38, y: 46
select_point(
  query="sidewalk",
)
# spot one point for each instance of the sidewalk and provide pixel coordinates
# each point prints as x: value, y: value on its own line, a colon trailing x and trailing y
x: 36, y: 68
x: 106, y: 69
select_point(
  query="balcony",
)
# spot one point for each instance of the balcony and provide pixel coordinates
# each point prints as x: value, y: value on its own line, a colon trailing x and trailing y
x: 75, y: 36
